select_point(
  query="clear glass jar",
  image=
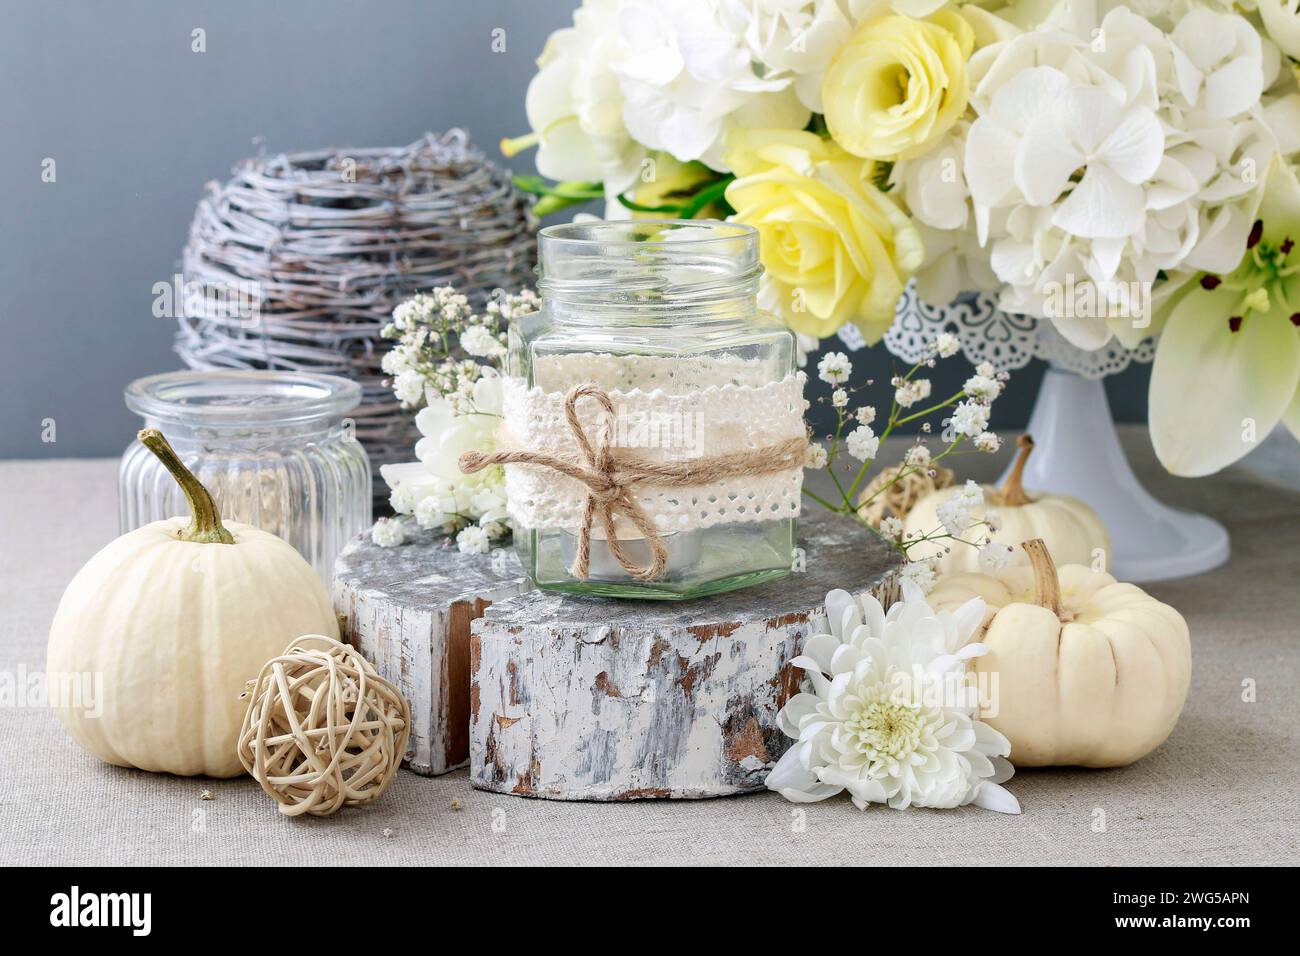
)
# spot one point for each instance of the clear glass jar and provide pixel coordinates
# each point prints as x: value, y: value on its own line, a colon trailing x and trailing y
x: 273, y: 448
x: 663, y: 317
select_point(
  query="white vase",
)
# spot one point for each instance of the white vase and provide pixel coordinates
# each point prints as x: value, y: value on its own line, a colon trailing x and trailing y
x: 1078, y: 453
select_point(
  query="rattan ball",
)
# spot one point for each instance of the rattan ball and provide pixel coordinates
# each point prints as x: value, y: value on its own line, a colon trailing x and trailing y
x: 323, y: 730
x: 874, y: 504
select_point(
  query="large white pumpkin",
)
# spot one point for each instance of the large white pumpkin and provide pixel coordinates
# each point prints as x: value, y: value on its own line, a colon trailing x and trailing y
x: 1082, y: 670
x: 167, y: 623
x: 1074, y: 532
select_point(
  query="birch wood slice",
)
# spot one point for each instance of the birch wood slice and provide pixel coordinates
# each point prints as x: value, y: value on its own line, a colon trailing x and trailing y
x: 408, y: 611
x: 597, y: 699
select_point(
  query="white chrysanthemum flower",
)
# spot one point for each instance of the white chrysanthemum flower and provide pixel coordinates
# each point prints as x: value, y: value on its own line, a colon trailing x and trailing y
x: 889, y: 717
x: 388, y: 533
x: 862, y: 443
x: 473, y: 540
x: 988, y: 442
x: 970, y: 418
x: 815, y: 456
x: 834, y: 368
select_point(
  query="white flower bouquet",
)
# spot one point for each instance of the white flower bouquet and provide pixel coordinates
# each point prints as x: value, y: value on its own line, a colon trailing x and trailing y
x: 1118, y: 169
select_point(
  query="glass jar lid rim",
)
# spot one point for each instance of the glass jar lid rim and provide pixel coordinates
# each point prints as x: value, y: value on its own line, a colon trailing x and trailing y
x: 241, y: 397
x: 710, y: 231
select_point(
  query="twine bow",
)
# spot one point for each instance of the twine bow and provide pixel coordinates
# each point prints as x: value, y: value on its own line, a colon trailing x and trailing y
x: 609, y: 479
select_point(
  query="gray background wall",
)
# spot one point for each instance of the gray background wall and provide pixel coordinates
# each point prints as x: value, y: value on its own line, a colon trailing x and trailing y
x: 136, y: 123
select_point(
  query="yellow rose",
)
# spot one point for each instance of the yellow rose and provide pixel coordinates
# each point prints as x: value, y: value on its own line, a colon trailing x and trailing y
x: 836, y: 248
x: 898, y: 84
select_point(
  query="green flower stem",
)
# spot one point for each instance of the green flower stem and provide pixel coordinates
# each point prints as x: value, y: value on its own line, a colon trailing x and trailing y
x: 933, y: 408
x: 205, y: 525
x: 709, y: 194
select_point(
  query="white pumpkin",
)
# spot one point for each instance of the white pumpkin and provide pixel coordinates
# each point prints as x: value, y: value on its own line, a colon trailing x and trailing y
x: 1074, y: 532
x: 1089, y: 672
x: 166, y: 624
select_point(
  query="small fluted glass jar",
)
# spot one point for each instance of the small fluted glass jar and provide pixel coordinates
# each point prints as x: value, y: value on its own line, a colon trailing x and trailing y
x: 273, y: 448
x: 651, y: 340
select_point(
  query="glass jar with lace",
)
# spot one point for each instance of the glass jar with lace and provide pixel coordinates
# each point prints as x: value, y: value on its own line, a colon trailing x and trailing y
x: 653, y: 434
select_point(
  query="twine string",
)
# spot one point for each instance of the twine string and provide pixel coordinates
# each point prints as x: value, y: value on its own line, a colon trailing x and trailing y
x: 609, y: 479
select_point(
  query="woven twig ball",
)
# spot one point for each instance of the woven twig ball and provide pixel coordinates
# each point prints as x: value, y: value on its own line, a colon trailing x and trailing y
x: 323, y: 730
x: 317, y: 248
x: 899, y: 498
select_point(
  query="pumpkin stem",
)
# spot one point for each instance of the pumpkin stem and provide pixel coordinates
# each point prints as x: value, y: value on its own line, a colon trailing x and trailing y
x: 205, y: 525
x: 1012, y: 491
x: 1047, y: 586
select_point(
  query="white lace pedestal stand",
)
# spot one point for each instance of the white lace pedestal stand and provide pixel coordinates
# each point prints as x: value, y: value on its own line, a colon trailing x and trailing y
x: 1078, y: 452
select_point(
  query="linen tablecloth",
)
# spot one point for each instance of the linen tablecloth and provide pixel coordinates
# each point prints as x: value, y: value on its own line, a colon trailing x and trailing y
x: 1224, y: 789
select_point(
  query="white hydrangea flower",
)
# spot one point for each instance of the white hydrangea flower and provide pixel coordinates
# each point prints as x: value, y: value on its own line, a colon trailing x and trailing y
x: 388, y: 533
x: 687, y: 76
x: 815, y: 455
x: 970, y: 418
x: 473, y: 540
x: 1091, y: 177
x: 834, y: 368
x: 862, y: 443
x: 890, y: 717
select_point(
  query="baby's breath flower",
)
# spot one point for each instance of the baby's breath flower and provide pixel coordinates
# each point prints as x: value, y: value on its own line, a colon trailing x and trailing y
x: 919, y: 573
x: 985, y: 370
x: 970, y: 418
x: 866, y: 414
x: 862, y: 443
x: 839, y: 398
x: 388, y: 533
x: 892, y: 528
x: 982, y: 388
x: 908, y: 394
x: 946, y: 345
x: 815, y: 455
x: 409, y: 387
x: 988, y: 441
x: 994, y: 556
x: 834, y: 368
x: 918, y: 456
x: 473, y: 540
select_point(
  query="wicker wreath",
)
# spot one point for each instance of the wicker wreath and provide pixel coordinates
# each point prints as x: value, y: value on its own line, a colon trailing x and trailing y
x: 320, y: 247
x: 323, y: 730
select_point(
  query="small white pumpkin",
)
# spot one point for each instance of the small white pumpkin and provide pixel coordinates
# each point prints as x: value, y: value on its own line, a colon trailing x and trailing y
x: 1074, y: 532
x: 1081, y: 670
x: 167, y: 623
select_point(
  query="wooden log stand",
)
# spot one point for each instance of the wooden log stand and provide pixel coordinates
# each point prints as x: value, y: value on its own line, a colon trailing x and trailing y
x: 597, y: 699
x: 408, y: 610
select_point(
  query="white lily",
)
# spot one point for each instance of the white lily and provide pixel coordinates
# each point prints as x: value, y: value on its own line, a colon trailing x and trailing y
x: 1227, y: 366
